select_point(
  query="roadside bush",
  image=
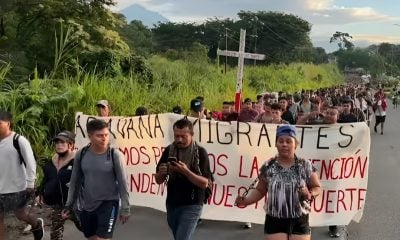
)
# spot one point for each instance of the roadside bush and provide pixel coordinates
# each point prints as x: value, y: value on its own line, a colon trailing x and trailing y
x: 138, y: 66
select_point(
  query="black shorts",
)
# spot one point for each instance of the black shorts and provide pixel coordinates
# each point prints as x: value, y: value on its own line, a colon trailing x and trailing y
x: 10, y: 202
x: 380, y: 119
x: 290, y: 226
x: 100, y: 222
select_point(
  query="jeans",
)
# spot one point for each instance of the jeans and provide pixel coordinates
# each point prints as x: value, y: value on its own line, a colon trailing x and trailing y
x: 182, y: 220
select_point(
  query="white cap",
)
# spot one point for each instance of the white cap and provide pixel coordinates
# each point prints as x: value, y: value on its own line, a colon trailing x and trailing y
x: 102, y: 103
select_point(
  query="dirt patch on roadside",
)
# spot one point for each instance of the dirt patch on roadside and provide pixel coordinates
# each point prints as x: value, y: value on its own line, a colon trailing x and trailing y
x: 15, y: 228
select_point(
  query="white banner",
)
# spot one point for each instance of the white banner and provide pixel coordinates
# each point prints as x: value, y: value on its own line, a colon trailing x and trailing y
x: 236, y: 151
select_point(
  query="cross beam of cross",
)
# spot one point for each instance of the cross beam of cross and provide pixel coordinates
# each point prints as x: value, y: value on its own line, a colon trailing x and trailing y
x: 241, y: 55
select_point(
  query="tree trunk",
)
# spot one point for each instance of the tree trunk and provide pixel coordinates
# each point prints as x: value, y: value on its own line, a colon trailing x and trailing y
x: 2, y: 31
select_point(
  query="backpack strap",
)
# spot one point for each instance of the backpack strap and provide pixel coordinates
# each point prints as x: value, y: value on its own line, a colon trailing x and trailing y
x: 18, y: 148
x: 83, y: 152
x: 197, y: 159
x: 110, y: 156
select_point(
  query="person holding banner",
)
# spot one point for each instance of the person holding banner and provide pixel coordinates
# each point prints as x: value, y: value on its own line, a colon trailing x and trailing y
x: 185, y: 168
x: 292, y: 184
x: 103, y: 108
x: 329, y: 116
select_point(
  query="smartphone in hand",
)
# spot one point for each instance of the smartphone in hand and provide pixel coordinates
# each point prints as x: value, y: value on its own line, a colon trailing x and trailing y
x: 172, y: 160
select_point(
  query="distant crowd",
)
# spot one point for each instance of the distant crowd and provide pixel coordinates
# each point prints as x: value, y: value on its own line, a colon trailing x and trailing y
x: 352, y: 103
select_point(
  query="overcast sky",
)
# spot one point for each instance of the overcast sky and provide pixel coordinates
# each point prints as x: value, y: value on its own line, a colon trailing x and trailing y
x: 368, y: 21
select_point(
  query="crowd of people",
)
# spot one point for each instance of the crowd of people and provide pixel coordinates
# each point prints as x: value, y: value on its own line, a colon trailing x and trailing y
x: 354, y: 104
x: 71, y: 182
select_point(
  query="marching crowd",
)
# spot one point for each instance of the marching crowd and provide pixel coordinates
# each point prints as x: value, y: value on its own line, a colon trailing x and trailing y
x: 95, y: 196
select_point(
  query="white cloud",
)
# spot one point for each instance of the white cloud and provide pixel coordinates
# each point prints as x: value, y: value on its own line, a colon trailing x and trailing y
x: 316, y: 11
x: 377, y: 38
x: 326, y: 12
x: 317, y: 5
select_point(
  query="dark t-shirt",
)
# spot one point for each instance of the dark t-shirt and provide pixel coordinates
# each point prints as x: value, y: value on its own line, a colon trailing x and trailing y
x: 247, y: 115
x: 230, y: 117
x: 288, y: 116
x: 54, y: 186
x: 181, y: 191
x: 347, y: 118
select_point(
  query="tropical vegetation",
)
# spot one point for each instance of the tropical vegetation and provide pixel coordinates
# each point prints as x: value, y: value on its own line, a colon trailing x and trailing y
x: 58, y: 57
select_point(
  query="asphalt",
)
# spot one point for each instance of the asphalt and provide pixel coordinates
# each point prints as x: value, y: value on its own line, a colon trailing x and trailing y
x: 381, y: 215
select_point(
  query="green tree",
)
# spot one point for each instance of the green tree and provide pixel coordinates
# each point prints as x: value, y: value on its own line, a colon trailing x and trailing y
x: 176, y: 35
x: 358, y: 58
x: 343, y: 40
x: 138, y: 37
x: 278, y: 35
x: 91, y: 22
x: 283, y: 37
x: 390, y: 52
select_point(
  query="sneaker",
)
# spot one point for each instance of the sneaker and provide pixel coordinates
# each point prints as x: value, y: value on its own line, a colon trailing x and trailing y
x: 38, y: 233
x: 334, y: 232
x: 247, y: 225
x: 28, y: 228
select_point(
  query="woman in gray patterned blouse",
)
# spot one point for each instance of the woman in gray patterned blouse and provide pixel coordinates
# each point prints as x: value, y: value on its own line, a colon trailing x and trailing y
x: 291, y: 183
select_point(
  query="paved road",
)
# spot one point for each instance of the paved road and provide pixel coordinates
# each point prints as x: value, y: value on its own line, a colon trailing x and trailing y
x: 381, y: 215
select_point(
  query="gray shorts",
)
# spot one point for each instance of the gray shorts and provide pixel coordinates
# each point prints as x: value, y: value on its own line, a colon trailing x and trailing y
x: 10, y: 202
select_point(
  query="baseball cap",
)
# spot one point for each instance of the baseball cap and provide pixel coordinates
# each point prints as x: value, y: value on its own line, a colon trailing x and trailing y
x: 347, y: 99
x: 247, y: 100
x: 177, y: 110
x: 196, y: 105
x: 286, y: 130
x: 66, y: 136
x: 103, y: 103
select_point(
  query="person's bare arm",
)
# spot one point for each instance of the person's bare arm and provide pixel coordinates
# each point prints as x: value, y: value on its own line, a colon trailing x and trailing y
x: 307, y: 117
x: 162, y: 173
x: 315, y: 185
x: 313, y: 189
x: 254, y: 195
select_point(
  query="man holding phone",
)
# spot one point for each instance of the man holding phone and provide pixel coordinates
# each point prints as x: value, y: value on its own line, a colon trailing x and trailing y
x: 172, y: 160
x: 186, y: 168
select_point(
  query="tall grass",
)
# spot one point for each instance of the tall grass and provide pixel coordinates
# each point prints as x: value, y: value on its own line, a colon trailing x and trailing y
x: 4, y: 70
x: 293, y: 77
x: 43, y: 106
x: 64, y: 45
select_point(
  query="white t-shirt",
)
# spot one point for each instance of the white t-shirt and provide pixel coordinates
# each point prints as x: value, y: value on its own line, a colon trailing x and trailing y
x: 379, y: 111
x: 14, y: 176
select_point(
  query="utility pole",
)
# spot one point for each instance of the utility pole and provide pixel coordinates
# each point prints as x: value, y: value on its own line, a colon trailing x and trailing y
x: 255, y: 47
x: 226, y: 46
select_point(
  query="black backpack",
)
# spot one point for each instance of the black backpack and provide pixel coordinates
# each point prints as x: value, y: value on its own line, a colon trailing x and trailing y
x: 18, y: 148
x: 208, y: 191
x: 110, y: 156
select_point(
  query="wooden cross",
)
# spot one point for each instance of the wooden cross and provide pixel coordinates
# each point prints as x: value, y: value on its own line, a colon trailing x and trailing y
x: 241, y: 55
